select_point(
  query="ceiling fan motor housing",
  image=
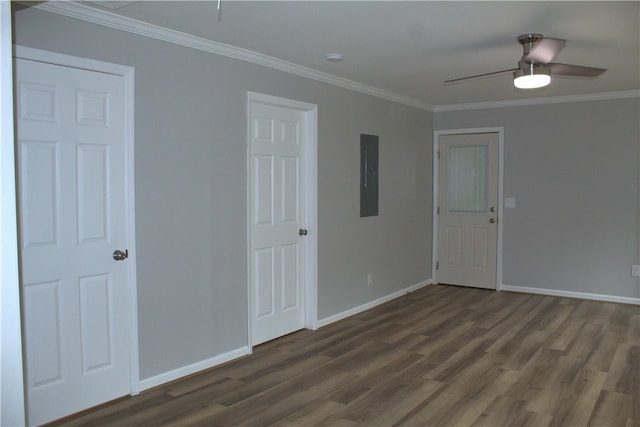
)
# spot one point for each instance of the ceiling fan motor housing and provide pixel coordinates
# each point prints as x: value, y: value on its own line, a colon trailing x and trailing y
x: 528, y: 41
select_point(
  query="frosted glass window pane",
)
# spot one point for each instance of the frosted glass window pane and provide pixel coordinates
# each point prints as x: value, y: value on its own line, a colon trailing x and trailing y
x: 467, y: 179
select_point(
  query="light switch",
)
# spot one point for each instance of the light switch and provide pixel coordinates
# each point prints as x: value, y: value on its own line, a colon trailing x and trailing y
x: 510, y: 202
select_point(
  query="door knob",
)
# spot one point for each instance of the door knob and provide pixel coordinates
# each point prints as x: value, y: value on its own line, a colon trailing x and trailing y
x: 492, y: 220
x: 303, y: 232
x: 119, y: 255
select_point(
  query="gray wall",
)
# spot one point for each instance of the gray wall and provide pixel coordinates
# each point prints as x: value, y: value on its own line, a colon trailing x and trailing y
x: 573, y: 169
x: 190, y: 171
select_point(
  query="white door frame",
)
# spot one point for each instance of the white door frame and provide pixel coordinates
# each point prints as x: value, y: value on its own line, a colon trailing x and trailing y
x: 12, y: 408
x: 436, y: 184
x: 127, y: 73
x: 310, y: 220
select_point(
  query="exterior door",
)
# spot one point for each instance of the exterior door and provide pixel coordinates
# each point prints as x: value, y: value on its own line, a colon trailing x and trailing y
x: 71, y: 173
x: 468, y: 210
x: 277, y: 139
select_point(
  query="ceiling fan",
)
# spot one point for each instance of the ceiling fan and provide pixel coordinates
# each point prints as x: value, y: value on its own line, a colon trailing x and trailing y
x: 535, y: 67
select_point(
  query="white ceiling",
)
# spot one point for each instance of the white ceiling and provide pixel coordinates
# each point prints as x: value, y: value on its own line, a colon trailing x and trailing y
x: 409, y: 48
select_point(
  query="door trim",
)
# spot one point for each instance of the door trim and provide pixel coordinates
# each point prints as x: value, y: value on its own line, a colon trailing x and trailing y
x: 12, y: 402
x: 310, y: 187
x: 127, y: 73
x: 436, y: 183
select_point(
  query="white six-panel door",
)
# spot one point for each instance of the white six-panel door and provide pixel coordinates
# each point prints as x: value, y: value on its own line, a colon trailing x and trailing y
x: 277, y: 211
x: 71, y: 150
x: 468, y: 209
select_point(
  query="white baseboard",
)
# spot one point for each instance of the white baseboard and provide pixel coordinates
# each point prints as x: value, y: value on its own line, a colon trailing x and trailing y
x: 371, y: 304
x: 570, y: 294
x: 175, y: 374
x: 178, y: 373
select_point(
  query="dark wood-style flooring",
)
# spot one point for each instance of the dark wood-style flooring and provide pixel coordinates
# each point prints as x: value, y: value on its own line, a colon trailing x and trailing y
x: 441, y: 356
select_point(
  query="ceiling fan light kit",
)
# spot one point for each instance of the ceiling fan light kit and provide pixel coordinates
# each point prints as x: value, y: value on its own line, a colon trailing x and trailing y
x: 531, y: 76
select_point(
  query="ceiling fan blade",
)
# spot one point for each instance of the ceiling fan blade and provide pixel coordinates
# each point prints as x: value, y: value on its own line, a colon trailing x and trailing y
x: 575, y: 70
x: 545, y: 50
x: 479, y: 75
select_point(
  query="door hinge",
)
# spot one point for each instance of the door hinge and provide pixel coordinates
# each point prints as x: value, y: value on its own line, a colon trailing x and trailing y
x: 438, y: 213
x: 437, y: 265
x: 438, y: 154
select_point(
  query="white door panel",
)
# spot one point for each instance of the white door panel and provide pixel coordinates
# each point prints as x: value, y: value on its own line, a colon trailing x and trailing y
x: 71, y: 150
x: 277, y: 199
x: 468, y: 209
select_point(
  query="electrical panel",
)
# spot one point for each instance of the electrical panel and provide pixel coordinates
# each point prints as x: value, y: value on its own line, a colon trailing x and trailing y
x: 368, y: 175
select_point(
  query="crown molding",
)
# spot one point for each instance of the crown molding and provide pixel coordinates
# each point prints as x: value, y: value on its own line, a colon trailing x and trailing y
x: 539, y: 101
x: 118, y: 22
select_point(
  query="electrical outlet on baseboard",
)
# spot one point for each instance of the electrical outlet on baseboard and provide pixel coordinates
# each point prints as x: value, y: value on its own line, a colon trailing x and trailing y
x: 635, y: 270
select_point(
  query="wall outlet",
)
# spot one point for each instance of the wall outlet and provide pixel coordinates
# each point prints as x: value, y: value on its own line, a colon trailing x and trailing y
x: 369, y: 279
x: 635, y: 270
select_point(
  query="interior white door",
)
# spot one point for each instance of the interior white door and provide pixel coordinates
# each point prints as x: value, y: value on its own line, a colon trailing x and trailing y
x: 71, y: 151
x: 277, y: 203
x: 468, y: 209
